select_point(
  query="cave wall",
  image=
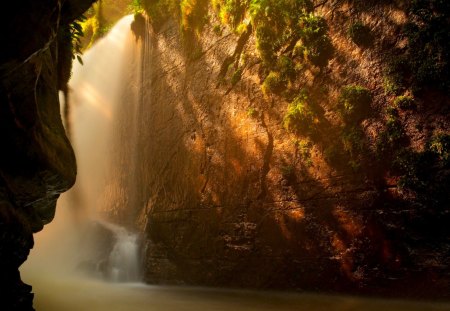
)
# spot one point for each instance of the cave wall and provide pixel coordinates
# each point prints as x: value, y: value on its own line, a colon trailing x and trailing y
x: 228, y: 198
x: 37, y: 162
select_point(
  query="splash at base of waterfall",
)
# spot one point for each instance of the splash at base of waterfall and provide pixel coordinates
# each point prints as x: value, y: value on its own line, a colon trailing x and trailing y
x: 113, y: 254
x: 124, y: 258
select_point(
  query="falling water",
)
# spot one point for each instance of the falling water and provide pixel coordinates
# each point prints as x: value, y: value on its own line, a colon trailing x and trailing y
x: 106, y: 88
x: 123, y: 260
x: 106, y: 92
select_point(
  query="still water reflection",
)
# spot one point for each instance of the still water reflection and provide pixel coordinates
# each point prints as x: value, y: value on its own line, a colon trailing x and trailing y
x: 75, y: 294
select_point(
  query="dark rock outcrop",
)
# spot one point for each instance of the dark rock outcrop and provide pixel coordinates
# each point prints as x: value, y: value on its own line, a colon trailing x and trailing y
x: 37, y: 162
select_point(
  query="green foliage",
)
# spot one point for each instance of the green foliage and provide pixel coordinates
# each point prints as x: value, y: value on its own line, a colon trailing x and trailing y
x: 94, y: 26
x: 273, y: 83
x: 353, y: 144
x: 231, y: 12
x: 354, y: 103
x: 76, y: 33
x: 136, y: 6
x: 396, y: 74
x: 300, y: 117
x: 69, y: 48
x: 353, y: 141
x: 404, y: 102
x: 159, y: 11
x: 360, y: 34
x: 320, y: 51
x: 440, y: 146
x: 394, y: 128
x: 313, y: 27
x: 265, y: 44
x: 425, y: 174
x: 299, y: 50
x: 286, y: 67
x: 277, y: 23
x: 429, y: 44
x: 241, y: 28
x: 193, y: 14
x: 393, y: 134
x: 316, y: 44
x: 412, y: 168
x: 304, y: 147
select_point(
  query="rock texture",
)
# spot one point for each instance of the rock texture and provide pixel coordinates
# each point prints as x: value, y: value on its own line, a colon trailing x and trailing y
x: 224, y: 196
x: 37, y: 162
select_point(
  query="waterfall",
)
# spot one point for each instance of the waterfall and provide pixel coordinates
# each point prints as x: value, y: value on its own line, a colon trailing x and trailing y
x: 106, y: 97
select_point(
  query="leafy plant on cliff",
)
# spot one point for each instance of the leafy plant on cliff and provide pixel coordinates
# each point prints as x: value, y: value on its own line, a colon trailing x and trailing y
x: 277, y: 24
x: 69, y: 48
x: 300, y: 118
x: 159, y: 11
x: 404, y: 102
x: 396, y: 74
x: 286, y: 68
x: 354, y: 103
x: 440, y: 145
x: 94, y: 26
x: 353, y: 143
x: 282, y: 24
x: 313, y: 34
x: 194, y: 14
x: 273, y: 83
x: 136, y: 6
x: 428, y: 44
x: 393, y: 134
x: 303, y: 148
x: 425, y: 174
x: 231, y: 12
x: 76, y: 33
x: 265, y: 44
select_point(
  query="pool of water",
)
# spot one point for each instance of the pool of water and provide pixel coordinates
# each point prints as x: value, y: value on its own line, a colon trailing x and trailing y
x: 75, y: 294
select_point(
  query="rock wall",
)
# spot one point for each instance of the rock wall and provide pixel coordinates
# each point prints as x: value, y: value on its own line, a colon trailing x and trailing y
x: 37, y: 162
x: 227, y: 196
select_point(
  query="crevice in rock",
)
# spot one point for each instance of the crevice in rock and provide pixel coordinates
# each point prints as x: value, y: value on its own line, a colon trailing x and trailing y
x: 243, y: 39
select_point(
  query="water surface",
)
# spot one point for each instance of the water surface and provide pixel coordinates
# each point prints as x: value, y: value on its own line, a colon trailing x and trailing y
x: 75, y: 294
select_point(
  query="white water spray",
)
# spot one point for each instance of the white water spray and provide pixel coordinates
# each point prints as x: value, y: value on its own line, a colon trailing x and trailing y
x: 103, y: 90
x: 123, y: 260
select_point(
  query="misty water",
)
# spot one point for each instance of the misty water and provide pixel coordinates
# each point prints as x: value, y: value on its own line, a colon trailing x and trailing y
x: 53, y: 266
x: 58, y: 285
